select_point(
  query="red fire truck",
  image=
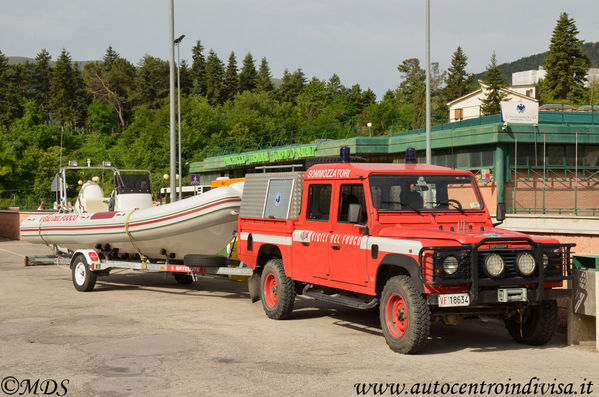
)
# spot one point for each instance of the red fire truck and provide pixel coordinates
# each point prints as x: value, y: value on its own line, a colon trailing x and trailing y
x: 415, y: 240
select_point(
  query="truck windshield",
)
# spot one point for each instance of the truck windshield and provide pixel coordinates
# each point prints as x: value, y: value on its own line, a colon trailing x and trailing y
x: 425, y: 193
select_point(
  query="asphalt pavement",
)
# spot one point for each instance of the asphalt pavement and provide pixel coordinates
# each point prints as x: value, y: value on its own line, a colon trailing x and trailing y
x: 142, y: 334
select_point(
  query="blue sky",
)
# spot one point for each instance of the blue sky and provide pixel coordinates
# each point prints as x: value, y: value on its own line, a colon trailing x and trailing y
x: 361, y: 41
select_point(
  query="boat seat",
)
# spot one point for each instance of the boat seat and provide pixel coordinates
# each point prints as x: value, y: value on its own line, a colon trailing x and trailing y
x: 96, y: 205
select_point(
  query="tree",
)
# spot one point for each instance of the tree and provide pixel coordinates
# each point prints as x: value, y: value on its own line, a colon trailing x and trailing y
x: 248, y: 77
x: 264, y: 82
x: 412, y: 90
x: 291, y: 86
x: 413, y: 85
x: 198, y: 69
x: 42, y: 74
x: 492, y: 87
x: 567, y: 63
x: 152, y: 81
x: 458, y: 82
x: 231, y: 85
x: 63, y: 90
x: 215, y: 78
x: 112, y: 82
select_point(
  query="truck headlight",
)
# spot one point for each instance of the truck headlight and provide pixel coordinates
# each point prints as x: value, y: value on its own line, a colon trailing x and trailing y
x: 450, y: 264
x: 526, y: 264
x: 494, y: 265
x: 545, y: 260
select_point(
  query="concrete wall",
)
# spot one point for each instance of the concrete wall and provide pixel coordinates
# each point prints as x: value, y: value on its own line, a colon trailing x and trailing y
x: 10, y: 222
x: 584, y: 231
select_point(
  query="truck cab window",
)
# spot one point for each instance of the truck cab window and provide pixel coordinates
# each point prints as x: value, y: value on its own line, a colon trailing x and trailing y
x: 352, y: 194
x: 319, y: 202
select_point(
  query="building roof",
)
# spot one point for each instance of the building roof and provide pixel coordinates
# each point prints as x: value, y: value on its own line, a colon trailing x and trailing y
x: 484, y: 86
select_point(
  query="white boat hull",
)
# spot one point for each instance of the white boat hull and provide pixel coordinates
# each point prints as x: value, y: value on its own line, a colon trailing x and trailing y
x: 201, y: 224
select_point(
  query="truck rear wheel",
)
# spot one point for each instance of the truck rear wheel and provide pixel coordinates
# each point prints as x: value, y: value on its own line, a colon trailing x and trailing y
x: 539, y: 323
x: 405, y: 316
x: 84, y: 279
x: 277, y: 290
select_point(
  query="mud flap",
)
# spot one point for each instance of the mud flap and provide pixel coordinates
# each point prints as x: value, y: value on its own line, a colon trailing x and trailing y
x: 254, y: 286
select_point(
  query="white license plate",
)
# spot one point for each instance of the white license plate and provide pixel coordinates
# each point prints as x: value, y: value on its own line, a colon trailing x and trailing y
x: 450, y: 300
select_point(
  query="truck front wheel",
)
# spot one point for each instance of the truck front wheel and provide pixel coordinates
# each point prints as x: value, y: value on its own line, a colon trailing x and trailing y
x: 277, y: 290
x: 537, y: 326
x: 405, y: 316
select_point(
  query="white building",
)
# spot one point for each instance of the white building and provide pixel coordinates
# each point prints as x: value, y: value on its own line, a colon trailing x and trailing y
x: 469, y: 106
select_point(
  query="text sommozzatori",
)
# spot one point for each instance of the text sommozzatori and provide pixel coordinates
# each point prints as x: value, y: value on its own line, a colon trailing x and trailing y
x: 329, y: 173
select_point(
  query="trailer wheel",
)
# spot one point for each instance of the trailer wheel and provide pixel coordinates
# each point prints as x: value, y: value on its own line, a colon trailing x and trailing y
x: 183, y: 279
x: 538, y: 324
x: 84, y: 279
x: 277, y: 290
x: 405, y: 316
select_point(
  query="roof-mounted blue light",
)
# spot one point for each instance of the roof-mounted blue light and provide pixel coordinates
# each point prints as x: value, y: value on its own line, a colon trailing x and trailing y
x: 344, y: 154
x: 411, y: 155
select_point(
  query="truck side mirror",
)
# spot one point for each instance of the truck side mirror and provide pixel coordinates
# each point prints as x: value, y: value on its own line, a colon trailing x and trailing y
x: 500, y: 213
x: 354, y: 212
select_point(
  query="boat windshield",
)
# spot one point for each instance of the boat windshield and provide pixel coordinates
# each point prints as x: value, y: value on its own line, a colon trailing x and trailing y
x: 139, y: 183
x: 425, y: 193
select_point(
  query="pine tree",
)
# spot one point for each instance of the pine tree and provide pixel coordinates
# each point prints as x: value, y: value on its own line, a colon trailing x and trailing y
x: 334, y: 85
x: 63, y: 90
x: 458, y: 82
x: 248, y: 77
x: 264, y: 82
x: 291, y: 86
x: 493, y: 85
x: 231, y: 85
x: 42, y: 74
x: 198, y: 69
x: 214, y: 78
x: 567, y: 63
x: 4, y: 102
x: 109, y: 58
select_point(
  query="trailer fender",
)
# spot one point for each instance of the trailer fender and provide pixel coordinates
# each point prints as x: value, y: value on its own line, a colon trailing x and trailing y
x: 91, y: 256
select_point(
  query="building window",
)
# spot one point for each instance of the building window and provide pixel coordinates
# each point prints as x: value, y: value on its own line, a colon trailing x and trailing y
x: 459, y: 114
x: 529, y: 93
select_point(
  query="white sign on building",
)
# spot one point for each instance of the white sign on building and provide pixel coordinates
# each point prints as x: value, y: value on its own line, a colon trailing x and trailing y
x: 520, y: 112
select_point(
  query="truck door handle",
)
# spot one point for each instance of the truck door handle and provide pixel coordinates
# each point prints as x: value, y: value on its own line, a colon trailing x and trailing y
x: 306, y: 243
x: 336, y: 247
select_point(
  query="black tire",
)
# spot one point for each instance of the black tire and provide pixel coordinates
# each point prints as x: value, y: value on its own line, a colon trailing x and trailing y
x: 539, y: 323
x: 182, y: 278
x: 400, y: 299
x: 277, y: 291
x: 83, y: 278
x: 196, y: 260
x: 310, y: 161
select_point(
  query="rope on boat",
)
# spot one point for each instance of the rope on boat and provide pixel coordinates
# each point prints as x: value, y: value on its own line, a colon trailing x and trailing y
x: 39, y: 231
x: 144, y: 259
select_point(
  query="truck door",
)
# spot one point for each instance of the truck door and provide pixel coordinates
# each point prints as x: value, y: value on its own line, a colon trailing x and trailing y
x: 347, y: 261
x: 311, y: 237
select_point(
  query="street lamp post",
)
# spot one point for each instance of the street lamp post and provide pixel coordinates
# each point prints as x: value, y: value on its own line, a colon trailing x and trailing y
x: 177, y: 42
x: 172, y: 101
x: 428, y: 82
